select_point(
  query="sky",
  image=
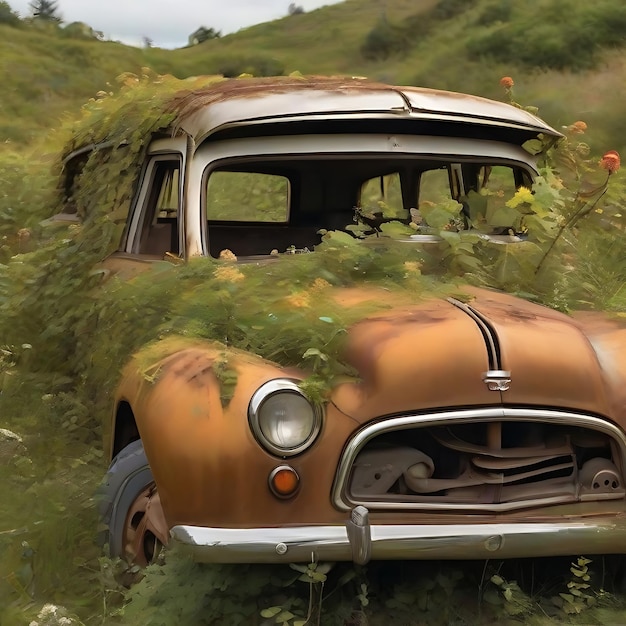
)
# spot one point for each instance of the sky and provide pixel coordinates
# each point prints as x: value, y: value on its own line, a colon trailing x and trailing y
x: 168, y: 23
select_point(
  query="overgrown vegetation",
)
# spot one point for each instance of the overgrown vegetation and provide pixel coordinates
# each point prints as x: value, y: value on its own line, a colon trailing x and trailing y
x: 517, y: 36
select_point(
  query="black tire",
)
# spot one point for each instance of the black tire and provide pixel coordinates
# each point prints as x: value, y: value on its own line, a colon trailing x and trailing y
x: 128, y: 475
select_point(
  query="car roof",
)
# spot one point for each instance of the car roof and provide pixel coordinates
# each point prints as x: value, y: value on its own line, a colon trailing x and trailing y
x: 254, y: 101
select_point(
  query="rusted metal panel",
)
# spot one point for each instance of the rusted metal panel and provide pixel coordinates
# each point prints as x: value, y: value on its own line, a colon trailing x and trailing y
x: 551, y: 361
x: 426, y: 356
x: 208, y: 467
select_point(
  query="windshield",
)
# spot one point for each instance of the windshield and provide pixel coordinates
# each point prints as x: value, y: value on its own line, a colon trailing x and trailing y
x: 257, y: 206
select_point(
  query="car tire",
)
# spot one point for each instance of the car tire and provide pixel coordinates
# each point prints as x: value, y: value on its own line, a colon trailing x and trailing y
x: 127, y: 481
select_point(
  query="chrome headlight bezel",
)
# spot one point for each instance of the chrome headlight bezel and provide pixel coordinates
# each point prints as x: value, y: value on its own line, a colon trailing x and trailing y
x: 264, y: 393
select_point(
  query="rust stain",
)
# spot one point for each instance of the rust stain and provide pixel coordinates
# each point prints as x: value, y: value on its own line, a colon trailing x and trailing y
x: 188, y: 102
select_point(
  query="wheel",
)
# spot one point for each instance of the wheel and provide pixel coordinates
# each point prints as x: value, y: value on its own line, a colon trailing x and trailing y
x: 134, y: 526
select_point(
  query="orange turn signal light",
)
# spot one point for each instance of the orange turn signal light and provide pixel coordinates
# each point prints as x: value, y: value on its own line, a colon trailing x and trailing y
x: 284, y: 481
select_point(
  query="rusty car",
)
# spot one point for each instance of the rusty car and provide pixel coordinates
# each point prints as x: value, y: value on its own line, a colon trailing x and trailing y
x: 484, y: 428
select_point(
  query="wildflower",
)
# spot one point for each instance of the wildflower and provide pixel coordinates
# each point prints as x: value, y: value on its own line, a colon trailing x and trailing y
x: 577, y: 128
x: 319, y: 284
x: 507, y: 82
x: 610, y: 161
x: 47, y: 610
x: 412, y: 267
x: 583, y: 149
x: 522, y: 195
x: 228, y: 274
x: 227, y: 255
x: 300, y: 300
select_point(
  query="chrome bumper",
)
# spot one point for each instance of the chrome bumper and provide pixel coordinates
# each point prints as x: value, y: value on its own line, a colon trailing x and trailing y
x: 360, y: 542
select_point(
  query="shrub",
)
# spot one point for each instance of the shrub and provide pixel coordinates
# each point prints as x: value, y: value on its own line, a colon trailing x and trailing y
x: 257, y: 66
x: 447, y: 9
x: 541, y: 41
x: 383, y: 41
x: 7, y: 16
x: 499, y: 11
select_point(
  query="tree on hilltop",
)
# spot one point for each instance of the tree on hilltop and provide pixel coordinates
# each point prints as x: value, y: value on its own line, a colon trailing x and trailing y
x: 45, y: 10
x: 203, y: 34
x: 7, y: 15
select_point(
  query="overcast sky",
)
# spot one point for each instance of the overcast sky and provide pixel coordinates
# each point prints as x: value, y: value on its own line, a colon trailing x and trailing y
x: 168, y: 23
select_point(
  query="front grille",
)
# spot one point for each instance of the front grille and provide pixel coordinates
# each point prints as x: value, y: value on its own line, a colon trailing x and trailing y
x: 491, y: 460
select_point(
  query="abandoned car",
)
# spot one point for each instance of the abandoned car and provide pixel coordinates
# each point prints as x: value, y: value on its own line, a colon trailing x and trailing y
x: 488, y: 428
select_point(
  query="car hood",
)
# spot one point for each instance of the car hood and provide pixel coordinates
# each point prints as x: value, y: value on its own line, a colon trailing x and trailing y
x: 442, y: 353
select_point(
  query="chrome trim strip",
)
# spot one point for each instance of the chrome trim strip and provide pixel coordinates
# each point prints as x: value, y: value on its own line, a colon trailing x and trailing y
x: 368, y: 432
x: 490, y: 337
x: 595, y: 535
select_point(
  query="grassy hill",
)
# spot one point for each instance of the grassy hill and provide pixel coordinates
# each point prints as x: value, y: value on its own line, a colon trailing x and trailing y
x: 465, y: 45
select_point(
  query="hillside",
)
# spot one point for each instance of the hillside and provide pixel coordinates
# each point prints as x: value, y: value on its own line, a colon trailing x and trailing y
x: 462, y: 45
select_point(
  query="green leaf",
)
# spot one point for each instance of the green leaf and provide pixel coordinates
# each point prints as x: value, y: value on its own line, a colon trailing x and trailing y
x: 271, y: 612
x: 533, y: 146
x: 436, y: 217
x: 505, y: 217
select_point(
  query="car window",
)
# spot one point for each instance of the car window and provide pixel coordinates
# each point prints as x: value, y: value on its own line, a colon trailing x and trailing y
x: 157, y: 221
x: 482, y: 189
x: 247, y: 197
x: 487, y: 189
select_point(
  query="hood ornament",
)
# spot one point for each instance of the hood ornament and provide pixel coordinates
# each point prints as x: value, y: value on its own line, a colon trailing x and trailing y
x: 497, y: 380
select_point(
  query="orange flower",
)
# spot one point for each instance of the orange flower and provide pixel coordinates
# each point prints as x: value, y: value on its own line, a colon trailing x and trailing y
x: 610, y: 161
x: 507, y: 82
x: 577, y: 128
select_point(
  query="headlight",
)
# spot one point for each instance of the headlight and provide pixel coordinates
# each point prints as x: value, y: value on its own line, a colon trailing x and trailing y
x: 282, y: 419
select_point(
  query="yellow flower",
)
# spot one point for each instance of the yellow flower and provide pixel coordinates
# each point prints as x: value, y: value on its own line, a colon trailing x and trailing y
x: 319, y: 284
x: 300, y: 300
x: 522, y: 195
x: 228, y: 274
x: 412, y: 267
x: 227, y: 255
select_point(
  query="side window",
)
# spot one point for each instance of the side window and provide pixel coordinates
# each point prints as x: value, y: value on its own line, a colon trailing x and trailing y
x: 157, y: 227
x: 383, y: 194
x: 247, y: 197
x: 487, y: 190
x: 482, y: 189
